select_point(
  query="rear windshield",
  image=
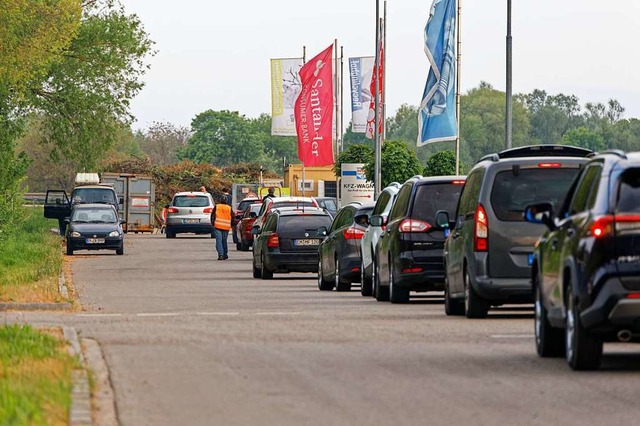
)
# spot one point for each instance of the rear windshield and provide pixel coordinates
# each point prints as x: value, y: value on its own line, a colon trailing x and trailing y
x: 93, y: 195
x: 512, y: 193
x: 308, y: 223
x: 246, y: 203
x: 431, y: 198
x: 629, y: 193
x: 94, y: 215
x: 191, y: 201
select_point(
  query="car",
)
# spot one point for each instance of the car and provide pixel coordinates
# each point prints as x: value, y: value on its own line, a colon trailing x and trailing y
x: 586, y: 266
x: 243, y: 229
x: 238, y: 214
x: 94, y: 227
x: 189, y: 212
x: 288, y: 241
x: 410, y: 249
x: 371, y: 235
x: 489, y: 252
x: 278, y: 202
x: 339, y: 253
x: 330, y: 204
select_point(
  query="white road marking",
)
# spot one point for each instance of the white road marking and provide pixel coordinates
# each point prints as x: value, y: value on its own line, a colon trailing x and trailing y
x: 278, y: 313
x: 160, y: 314
x: 99, y: 315
x: 512, y: 336
x: 217, y: 313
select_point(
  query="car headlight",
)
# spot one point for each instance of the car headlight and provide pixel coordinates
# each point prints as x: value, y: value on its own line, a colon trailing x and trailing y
x: 76, y: 234
x: 114, y: 234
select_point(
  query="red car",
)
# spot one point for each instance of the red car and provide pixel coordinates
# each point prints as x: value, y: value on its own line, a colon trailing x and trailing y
x: 238, y: 213
x: 243, y: 229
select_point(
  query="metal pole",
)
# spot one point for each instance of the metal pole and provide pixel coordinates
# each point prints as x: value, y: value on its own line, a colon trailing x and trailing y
x: 459, y: 59
x: 341, y: 96
x: 509, y: 112
x: 376, y: 141
x: 384, y: 80
x: 336, y: 97
x: 304, y: 61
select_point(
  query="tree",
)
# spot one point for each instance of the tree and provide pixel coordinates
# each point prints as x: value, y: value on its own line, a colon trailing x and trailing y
x: 277, y: 149
x: 398, y: 163
x: 222, y: 138
x: 349, y: 138
x: 161, y: 142
x: 442, y: 163
x: 404, y: 124
x: 356, y: 153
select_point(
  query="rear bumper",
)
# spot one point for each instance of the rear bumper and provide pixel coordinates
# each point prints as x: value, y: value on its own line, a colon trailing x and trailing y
x: 611, y: 310
x: 184, y: 228
x: 350, y: 267
x: 430, y: 278
x: 504, y: 290
x: 291, y: 262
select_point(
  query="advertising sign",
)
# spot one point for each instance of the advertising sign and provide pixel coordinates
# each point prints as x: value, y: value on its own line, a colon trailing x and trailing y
x: 354, y: 184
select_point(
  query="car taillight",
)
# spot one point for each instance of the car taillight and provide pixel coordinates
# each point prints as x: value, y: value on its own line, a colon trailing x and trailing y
x: 633, y: 296
x: 605, y: 226
x: 208, y: 210
x: 173, y: 210
x: 481, y: 236
x: 353, y: 233
x: 458, y: 182
x: 627, y: 223
x: 273, y: 241
x: 549, y: 165
x: 413, y: 225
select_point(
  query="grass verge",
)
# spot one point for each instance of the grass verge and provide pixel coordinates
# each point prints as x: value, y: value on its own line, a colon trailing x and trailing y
x: 31, y: 261
x: 35, y: 377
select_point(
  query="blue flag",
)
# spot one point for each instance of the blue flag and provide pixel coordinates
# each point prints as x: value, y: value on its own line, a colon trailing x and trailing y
x: 437, y: 114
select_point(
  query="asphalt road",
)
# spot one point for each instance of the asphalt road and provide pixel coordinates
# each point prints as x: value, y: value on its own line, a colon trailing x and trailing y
x: 190, y: 340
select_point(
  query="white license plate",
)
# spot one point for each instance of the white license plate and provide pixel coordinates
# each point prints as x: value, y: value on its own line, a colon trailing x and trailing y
x: 190, y: 220
x: 95, y: 240
x: 306, y: 242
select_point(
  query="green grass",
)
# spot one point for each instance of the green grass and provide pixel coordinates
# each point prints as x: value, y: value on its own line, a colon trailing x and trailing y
x: 30, y: 260
x: 35, y: 377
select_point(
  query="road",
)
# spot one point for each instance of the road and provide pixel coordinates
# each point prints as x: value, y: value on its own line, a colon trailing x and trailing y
x: 190, y: 340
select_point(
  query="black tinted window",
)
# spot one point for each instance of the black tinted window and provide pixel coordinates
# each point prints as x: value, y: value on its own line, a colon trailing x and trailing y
x: 512, y: 193
x: 308, y: 223
x: 629, y: 193
x: 431, y: 198
x: 93, y: 195
x: 382, y: 202
x: 245, y: 203
x: 190, y: 201
x: 402, y: 202
x: 470, y: 193
x: 589, y: 179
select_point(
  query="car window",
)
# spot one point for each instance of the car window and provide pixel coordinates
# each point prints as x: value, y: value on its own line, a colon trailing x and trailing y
x: 306, y: 222
x: 402, y: 202
x: 362, y: 216
x: 329, y: 205
x: 270, y: 223
x: 470, y: 193
x: 191, y: 201
x: 93, y: 195
x: 338, y: 219
x: 628, y: 200
x: 382, y: 202
x: 512, y: 192
x: 585, y: 187
x: 279, y: 204
x: 253, y: 208
x: 245, y: 203
x: 94, y: 215
x: 433, y: 197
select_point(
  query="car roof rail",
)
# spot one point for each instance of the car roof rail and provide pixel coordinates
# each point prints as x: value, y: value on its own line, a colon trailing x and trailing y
x: 545, y: 151
x: 492, y: 157
x: 620, y: 153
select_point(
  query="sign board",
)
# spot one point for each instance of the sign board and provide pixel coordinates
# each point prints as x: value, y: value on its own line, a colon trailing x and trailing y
x: 354, y: 184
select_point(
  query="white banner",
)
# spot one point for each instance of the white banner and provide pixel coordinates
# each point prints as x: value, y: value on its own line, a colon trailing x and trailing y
x: 285, y: 87
x: 360, y: 70
x: 354, y: 184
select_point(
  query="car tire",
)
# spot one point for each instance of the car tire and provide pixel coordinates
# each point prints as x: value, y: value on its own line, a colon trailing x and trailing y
x: 382, y: 293
x: 244, y: 246
x: 238, y: 247
x: 69, y: 249
x: 256, y: 271
x: 264, y: 271
x: 452, y: 307
x: 374, y: 277
x: 474, y: 305
x: 323, y: 284
x: 169, y: 234
x: 340, y: 284
x: 583, y: 350
x: 365, y: 280
x: 549, y: 340
x: 396, y: 294
x: 120, y: 251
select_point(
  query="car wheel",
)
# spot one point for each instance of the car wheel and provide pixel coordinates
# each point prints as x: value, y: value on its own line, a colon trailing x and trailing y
x: 549, y: 340
x: 256, y: 271
x: 452, y: 307
x: 120, y: 251
x: 396, y: 294
x: 365, y: 279
x: 264, y: 271
x: 474, y: 305
x: 323, y: 284
x: 382, y: 293
x: 340, y: 284
x: 69, y: 249
x: 583, y: 350
x: 170, y: 234
x: 244, y: 246
x: 238, y: 247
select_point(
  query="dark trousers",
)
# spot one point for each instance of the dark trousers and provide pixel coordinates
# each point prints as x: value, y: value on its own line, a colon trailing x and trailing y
x: 221, y: 241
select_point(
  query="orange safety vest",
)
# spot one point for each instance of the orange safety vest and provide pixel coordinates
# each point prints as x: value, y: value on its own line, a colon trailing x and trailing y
x: 223, y: 217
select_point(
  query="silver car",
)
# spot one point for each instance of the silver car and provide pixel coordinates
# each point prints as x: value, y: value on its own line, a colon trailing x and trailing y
x: 190, y: 212
x: 371, y: 236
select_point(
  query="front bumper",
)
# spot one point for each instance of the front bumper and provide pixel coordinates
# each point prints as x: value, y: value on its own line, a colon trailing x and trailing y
x: 80, y: 243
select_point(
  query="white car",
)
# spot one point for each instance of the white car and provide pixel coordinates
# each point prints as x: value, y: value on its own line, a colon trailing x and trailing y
x: 190, y: 212
x: 371, y: 236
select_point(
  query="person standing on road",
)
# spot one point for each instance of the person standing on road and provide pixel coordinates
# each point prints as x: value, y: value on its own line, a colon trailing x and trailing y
x: 221, y: 220
x: 269, y: 195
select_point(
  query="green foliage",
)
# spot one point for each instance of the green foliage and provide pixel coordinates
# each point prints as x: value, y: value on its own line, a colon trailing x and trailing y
x: 398, y: 163
x: 278, y: 150
x: 442, y: 163
x: 356, y: 153
x: 351, y: 138
x: 161, y: 142
x: 584, y: 138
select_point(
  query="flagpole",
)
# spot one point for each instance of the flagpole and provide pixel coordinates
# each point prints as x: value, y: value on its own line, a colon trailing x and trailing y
x: 304, y: 61
x: 376, y: 141
x: 341, y: 97
x: 459, y: 61
x: 336, y: 96
x: 384, y: 82
x: 509, y: 112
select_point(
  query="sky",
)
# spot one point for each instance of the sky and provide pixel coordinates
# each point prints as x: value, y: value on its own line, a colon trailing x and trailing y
x: 215, y: 54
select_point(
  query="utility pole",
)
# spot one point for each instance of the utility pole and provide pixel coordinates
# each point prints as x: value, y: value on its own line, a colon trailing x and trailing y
x: 509, y: 112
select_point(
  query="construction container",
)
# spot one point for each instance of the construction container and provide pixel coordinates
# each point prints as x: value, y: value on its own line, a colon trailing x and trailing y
x: 139, y: 199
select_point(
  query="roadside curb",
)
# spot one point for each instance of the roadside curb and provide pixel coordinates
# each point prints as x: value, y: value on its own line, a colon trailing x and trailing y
x: 105, y: 407
x: 19, y: 306
x: 80, y: 413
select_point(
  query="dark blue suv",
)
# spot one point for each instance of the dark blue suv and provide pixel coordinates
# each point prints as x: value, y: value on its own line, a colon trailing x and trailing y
x: 586, y: 268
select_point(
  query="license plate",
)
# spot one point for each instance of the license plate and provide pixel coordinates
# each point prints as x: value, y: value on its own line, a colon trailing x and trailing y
x: 530, y: 259
x: 95, y: 240
x: 306, y: 242
x: 190, y: 220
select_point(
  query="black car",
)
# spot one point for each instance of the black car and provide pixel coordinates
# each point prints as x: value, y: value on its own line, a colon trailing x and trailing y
x: 409, y: 251
x: 586, y: 267
x: 489, y: 252
x: 94, y: 227
x: 288, y: 241
x: 340, y: 258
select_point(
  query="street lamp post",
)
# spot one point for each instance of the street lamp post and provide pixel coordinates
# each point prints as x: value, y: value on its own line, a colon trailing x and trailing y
x: 509, y: 111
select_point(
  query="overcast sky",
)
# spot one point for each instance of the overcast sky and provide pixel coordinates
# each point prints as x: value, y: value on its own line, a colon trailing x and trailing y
x: 215, y: 54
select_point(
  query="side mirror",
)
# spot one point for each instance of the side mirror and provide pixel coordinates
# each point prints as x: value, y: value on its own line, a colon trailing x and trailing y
x: 442, y: 219
x: 253, y: 215
x: 255, y: 230
x: 120, y: 200
x: 540, y: 213
x: 322, y: 231
x: 376, y: 220
x: 362, y: 220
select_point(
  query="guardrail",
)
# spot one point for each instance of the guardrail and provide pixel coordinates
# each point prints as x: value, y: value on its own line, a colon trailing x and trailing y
x: 34, y: 198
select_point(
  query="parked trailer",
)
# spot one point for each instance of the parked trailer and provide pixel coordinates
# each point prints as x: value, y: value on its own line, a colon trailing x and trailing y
x: 139, y: 199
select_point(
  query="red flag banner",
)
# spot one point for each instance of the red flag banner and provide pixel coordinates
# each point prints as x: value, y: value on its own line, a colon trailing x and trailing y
x: 314, y: 111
